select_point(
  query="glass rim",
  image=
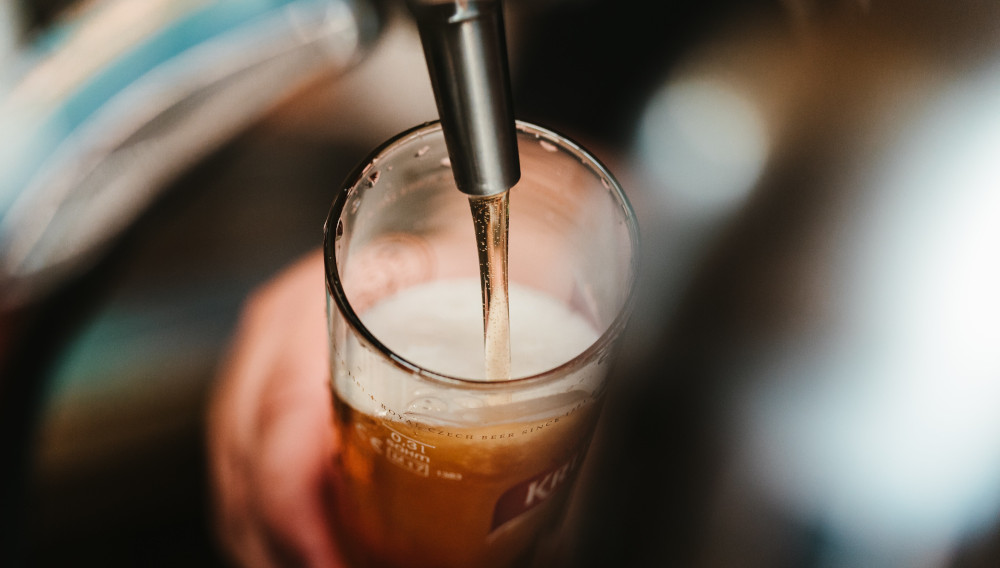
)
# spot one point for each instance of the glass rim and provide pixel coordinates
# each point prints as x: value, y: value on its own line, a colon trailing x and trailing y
x: 335, y: 290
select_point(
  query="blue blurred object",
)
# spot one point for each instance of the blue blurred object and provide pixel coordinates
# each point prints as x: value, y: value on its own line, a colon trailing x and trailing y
x: 102, y: 117
x: 101, y: 111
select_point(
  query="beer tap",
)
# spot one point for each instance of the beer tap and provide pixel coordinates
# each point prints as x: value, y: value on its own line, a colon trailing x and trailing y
x: 466, y: 53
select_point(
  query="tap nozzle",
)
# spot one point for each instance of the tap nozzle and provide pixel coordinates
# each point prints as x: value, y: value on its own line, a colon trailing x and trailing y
x: 466, y: 53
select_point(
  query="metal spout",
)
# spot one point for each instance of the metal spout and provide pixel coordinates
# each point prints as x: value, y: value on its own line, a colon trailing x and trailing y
x: 466, y: 52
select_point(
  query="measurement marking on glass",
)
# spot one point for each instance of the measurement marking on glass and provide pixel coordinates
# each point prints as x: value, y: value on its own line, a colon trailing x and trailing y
x: 426, y: 445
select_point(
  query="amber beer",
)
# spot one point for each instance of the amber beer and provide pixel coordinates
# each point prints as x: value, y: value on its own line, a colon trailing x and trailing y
x: 458, y: 472
x: 415, y: 495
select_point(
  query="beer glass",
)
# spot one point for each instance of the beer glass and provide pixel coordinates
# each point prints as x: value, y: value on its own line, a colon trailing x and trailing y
x: 438, y: 467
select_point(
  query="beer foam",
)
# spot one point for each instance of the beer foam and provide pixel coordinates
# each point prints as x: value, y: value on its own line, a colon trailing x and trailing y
x: 439, y: 326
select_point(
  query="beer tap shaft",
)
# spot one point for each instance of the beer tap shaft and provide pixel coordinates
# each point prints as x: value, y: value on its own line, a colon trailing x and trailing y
x: 466, y: 53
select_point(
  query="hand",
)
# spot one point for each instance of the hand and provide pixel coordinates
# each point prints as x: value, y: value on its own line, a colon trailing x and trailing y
x: 270, y: 433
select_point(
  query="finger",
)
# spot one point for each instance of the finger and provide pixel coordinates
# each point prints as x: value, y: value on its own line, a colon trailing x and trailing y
x: 296, y: 469
x: 283, y: 323
x: 271, y: 394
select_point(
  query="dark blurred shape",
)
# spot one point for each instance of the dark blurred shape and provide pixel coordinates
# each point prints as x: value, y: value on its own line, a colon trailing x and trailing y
x: 819, y: 386
x: 39, y: 14
x: 590, y: 66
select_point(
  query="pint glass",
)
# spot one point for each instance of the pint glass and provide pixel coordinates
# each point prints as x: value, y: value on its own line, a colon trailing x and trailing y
x: 438, y: 467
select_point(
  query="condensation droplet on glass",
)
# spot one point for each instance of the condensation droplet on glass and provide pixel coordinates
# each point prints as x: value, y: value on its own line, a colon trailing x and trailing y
x: 446, y: 162
x: 423, y: 150
x: 427, y: 404
x: 547, y: 146
x: 372, y: 179
x: 339, y: 232
x: 605, y: 183
x: 354, y: 206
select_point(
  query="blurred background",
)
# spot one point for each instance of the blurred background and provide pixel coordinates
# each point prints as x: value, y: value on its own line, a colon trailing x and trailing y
x: 813, y: 373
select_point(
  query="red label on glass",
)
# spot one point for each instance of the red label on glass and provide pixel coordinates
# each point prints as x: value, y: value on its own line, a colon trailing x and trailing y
x: 533, y: 491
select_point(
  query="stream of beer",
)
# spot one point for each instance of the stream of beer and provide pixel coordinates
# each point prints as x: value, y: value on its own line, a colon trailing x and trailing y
x: 490, y: 218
